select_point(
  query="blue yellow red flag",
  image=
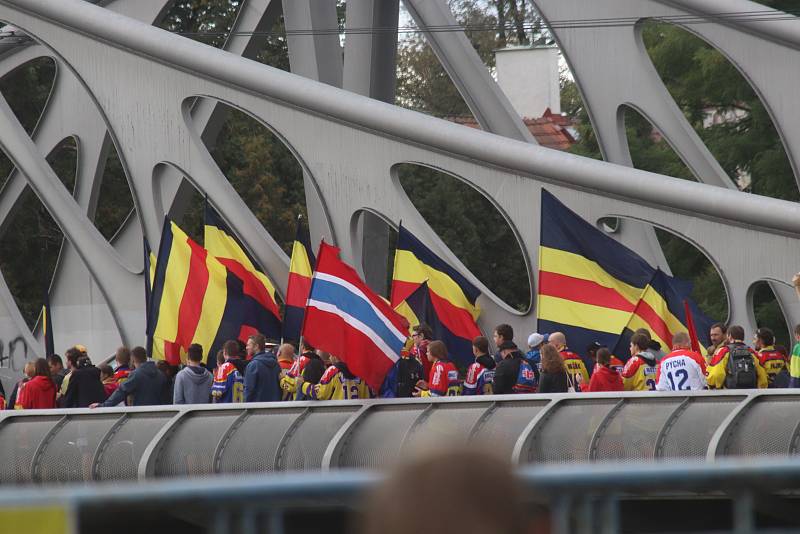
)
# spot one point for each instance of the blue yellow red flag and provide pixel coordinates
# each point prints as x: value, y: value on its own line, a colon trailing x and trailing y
x: 301, y: 268
x: 593, y: 288
x: 453, y: 299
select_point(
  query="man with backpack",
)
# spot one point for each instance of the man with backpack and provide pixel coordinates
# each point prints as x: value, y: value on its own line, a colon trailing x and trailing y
x: 735, y: 365
x: 514, y: 374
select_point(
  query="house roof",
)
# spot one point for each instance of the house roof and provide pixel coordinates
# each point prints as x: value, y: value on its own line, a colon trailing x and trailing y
x: 551, y: 130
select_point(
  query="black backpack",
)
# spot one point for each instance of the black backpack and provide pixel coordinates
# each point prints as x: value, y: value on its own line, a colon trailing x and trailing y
x: 741, y: 370
x: 409, y: 372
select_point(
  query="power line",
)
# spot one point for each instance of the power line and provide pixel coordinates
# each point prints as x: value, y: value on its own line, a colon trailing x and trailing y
x: 682, y: 20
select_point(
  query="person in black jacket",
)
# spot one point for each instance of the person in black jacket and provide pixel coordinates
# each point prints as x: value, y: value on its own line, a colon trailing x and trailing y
x: 263, y: 374
x: 85, y: 386
x: 554, y: 372
x: 146, y: 383
x: 507, y: 371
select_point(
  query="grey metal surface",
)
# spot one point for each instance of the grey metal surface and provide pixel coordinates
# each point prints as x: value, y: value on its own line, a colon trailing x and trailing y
x: 198, y: 440
x: 349, y: 145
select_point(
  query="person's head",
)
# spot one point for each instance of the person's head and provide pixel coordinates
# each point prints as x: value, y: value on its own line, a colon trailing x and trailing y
x: 681, y: 340
x: 654, y: 346
x: 220, y: 357
x: 797, y: 332
x: 72, y: 356
x: 603, y: 356
x: 56, y: 364
x: 437, y: 351
x: 502, y: 332
x: 591, y: 350
x: 332, y: 359
x: 535, y: 340
x: 29, y: 370
x: 123, y: 356
x: 194, y: 354
x: 324, y: 356
x: 138, y: 356
x: 165, y: 367
x: 639, y: 343
x: 286, y: 352
x: 305, y: 346
x: 230, y: 349
x: 735, y: 333
x: 552, y: 362
x: 242, y: 348
x: 717, y: 333
x: 644, y: 332
x: 255, y: 344
x: 486, y: 497
x: 106, y: 372
x: 480, y: 346
x: 764, y: 337
x: 558, y: 340
x: 420, y: 333
x: 41, y: 368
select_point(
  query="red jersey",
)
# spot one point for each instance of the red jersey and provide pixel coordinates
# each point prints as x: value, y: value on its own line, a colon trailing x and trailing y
x: 772, y: 361
x: 297, y: 367
x: 121, y: 373
x: 444, y: 379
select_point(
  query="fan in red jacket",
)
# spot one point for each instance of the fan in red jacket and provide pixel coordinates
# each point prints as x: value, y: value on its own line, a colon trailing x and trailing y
x: 604, y: 377
x: 40, y: 391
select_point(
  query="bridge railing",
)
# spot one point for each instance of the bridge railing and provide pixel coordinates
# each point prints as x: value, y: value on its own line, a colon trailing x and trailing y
x: 609, y: 498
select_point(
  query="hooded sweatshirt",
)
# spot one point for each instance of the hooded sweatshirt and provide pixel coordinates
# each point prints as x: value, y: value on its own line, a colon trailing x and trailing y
x: 639, y: 373
x: 604, y: 379
x: 192, y: 385
x: 39, y: 392
x: 146, y: 383
x: 262, y: 379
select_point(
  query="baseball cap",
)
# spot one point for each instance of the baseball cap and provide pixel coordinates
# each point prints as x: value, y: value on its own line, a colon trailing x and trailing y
x: 535, y: 339
x: 271, y: 342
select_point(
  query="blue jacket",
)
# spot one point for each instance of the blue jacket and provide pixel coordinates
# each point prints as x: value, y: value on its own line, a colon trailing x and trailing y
x: 262, y: 379
x: 146, y: 384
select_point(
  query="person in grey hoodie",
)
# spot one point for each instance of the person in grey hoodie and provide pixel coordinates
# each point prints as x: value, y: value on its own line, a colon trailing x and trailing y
x: 146, y: 384
x: 193, y: 382
x: 263, y: 375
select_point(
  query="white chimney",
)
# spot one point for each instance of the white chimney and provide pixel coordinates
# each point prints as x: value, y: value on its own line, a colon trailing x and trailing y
x: 529, y: 78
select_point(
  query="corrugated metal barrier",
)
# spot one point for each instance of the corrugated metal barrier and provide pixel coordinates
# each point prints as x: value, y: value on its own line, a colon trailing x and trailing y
x: 63, y: 446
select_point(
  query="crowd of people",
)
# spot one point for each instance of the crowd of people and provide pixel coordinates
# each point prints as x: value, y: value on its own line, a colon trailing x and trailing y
x: 263, y: 371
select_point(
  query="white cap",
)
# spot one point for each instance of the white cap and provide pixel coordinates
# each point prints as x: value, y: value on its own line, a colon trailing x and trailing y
x: 535, y: 339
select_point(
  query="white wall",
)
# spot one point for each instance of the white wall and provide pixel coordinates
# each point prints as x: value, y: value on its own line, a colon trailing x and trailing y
x: 529, y: 78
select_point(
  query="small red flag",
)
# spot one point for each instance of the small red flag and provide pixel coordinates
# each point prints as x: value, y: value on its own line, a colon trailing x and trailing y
x: 691, y: 328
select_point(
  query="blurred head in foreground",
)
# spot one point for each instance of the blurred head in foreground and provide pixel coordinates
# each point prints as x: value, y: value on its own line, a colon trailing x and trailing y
x: 455, y: 491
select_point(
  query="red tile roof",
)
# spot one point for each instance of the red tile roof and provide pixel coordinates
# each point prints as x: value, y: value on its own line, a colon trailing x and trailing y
x: 549, y: 130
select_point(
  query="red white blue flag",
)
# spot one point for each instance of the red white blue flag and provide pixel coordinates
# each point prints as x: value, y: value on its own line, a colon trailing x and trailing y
x: 346, y: 318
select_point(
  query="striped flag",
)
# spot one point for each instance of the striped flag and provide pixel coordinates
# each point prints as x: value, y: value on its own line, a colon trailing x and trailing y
x: 656, y: 311
x: 418, y: 308
x: 189, y: 296
x: 301, y: 269
x: 593, y: 288
x: 452, y: 297
x: 346, y: 318
x: 221, y: 243
x: 47, y: 326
